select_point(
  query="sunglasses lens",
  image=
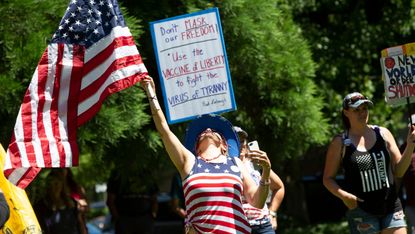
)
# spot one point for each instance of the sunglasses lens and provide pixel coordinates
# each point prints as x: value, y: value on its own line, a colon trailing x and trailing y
x: 208, y: 130
x: 354, y: 99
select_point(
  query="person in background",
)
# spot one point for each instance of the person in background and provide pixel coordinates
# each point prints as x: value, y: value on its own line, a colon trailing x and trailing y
x: 261, y: 220
x: 177, y: 196
x: 78, y: 194
x: 409, y: 191
x: 177, y: 204
x: 371, y: 161
x: 132, y: 200
x: 409, y: 185
x: 57, y: 212
x: 213, y: 182
x: 4, y: 209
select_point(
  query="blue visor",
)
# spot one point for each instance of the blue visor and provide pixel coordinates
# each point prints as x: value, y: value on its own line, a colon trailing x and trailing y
x: 217, y: 123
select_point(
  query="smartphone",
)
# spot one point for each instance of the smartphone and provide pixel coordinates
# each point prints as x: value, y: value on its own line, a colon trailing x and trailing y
x: 253, y: 145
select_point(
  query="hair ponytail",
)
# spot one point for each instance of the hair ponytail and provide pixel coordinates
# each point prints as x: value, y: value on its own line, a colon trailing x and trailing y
x: 346, y: 121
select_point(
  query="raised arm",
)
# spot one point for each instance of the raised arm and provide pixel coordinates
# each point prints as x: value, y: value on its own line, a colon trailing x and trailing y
x: 182, y: 158
x: 256, y: 195
x: 400, y: 161
x: 278, y: 192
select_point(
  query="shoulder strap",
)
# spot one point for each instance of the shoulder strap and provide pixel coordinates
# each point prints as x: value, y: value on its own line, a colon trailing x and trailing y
x: 379, y: 131
x: 238, y: 162
x: 345, y: 137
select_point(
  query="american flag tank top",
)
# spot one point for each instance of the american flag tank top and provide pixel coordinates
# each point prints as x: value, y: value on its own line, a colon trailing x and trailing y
x: 213, y: 200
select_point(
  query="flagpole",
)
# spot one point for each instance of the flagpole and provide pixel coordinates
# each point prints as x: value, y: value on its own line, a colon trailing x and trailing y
x: 409, y: 110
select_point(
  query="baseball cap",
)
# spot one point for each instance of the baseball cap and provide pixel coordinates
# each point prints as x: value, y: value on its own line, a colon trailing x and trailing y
x: 354, y: 100
x: 241, y: 133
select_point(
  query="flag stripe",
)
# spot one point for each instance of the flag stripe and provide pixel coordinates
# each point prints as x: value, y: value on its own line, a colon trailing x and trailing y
x: 43, y: 157
x: 69, y: 86
x: 239, y: 225
x: 121, y: 57
x: 200, y: 206
x: 64, y: 79
x: 13, y: 159
x: 26, y: 118
x: 125, y: 77
x: 117, y: 66
x: 213, y: 202
x: 23, y: 176
x: 116, y: 32
x: 105, y: 54
x: 112, y: 71
x: 49, y: 93
x: 78, y: 65
x: 90, y: 49
x: 54, y: 109
x: 384, y: 164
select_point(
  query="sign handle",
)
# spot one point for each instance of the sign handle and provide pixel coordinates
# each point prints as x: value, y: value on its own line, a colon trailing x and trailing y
x: 409, y: 110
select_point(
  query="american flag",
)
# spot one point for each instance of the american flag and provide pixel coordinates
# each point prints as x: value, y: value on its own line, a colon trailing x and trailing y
x: 213, y: 197
x: 373, y: 171
x: 91, y: 55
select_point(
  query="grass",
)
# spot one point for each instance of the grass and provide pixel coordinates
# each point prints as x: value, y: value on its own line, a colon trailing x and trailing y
x: 289, y: 225
x: 322, y: 228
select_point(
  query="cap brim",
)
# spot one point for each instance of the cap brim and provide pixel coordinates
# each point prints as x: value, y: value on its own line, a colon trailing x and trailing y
x: 240, y: 131
x: 360, y: 102
x: 217, y: 123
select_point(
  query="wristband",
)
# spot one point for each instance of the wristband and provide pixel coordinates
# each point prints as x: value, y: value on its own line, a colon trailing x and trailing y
x: 273, y: 214
x: 265, y: 183
x: 153, y: 97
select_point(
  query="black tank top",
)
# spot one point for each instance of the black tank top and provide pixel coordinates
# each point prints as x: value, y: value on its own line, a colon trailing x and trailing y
x: 368, y: 175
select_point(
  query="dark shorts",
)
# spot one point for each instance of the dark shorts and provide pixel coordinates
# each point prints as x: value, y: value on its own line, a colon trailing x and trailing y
x: 361, y: 222
x: 135, y: 225
x: 264, y: 228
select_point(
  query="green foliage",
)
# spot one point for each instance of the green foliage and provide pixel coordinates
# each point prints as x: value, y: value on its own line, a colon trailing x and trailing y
x: 347, y: 37
x: 271, y: 67
x: 270, y: 62
x: 291, y: 64
x: 272, y: 72
x: 21, y: 44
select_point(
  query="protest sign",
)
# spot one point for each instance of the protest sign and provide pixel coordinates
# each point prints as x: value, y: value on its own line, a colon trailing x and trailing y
x: 192, y: 65
x: 398, y: 72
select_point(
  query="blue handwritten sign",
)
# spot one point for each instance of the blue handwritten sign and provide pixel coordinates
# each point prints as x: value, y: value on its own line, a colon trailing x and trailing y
x: 192, y: 65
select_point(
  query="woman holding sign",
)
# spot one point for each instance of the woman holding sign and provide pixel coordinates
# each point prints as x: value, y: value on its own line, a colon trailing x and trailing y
x: 213, y: 181
x: 371, y: 161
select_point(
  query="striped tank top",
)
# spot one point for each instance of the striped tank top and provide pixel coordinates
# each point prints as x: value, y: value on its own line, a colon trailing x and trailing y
x: 213, y: 200
x: 255, y: 216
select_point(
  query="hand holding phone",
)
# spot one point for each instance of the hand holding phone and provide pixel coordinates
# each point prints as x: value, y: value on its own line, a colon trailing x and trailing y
x: 253, y: 145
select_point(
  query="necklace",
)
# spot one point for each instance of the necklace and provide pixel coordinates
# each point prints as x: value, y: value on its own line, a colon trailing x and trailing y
x: 210, y: 159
